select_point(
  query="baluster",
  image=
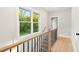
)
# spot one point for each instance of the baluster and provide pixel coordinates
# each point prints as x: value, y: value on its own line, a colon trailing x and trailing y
x: 32, y: 45
x: 23, y: 47
x: 41, y: 42
x: 10, y: 49
x: 37, y: 44
x: 28, y: 46
x: 17, y: 48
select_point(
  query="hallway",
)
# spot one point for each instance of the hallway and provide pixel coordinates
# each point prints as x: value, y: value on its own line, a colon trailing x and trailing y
x: 62, y: 45
x: 31, y: 26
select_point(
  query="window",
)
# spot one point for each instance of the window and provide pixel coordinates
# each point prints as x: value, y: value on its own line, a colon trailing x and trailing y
x: 29, y: 23
x: 25, y: 21
x: 35, y: 22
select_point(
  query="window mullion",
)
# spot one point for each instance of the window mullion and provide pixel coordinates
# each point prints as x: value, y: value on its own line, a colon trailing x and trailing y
x: 31, y: 22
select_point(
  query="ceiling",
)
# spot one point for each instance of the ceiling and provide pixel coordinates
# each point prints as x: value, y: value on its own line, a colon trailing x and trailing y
x: 51, y: 9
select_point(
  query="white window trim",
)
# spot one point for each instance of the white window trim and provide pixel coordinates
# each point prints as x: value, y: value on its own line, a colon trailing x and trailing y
x: 31, y: 22
x: 18, y: 23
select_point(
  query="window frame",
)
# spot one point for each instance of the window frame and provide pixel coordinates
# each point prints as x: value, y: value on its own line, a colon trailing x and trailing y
x: 31, y: 21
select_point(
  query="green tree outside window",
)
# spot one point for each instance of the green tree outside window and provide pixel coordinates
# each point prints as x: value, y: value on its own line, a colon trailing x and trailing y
x: 25, y: 21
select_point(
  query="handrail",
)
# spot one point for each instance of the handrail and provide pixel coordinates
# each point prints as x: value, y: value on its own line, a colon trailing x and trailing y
x: 2, y: 49
x: 19, y: 42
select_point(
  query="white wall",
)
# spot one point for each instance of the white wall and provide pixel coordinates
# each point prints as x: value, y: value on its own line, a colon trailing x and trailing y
x: 75, y: 27
x: 64, y: 21
x: 9, y: 23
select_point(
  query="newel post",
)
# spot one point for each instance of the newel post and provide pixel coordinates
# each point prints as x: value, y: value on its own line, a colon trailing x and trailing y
x: 49, y: 41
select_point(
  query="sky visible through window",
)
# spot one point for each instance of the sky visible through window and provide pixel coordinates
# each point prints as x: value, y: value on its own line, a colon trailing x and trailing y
x: 27, y: 13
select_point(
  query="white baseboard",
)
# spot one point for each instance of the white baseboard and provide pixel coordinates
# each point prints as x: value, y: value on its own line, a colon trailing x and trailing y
x: 64, y: 36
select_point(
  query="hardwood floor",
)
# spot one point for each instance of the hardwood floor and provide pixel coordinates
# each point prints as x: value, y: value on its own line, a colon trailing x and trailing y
x: 62, y: 45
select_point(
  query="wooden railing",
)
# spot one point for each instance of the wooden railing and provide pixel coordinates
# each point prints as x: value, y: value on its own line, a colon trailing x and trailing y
x: 32, y: 43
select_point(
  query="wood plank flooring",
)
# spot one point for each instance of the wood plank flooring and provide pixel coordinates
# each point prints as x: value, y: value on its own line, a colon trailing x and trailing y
x: 62, y: 45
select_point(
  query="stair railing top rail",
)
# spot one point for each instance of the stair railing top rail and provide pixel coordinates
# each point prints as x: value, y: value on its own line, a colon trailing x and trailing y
x: 2, y: 49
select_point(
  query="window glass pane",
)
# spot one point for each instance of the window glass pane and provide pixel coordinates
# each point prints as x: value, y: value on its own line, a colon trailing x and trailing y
x: 24, y: 15
x: 35, y: 17
x: 21, y: 14
x: 25, y: 28
x: 35, y: 27
x: 27, y: 16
